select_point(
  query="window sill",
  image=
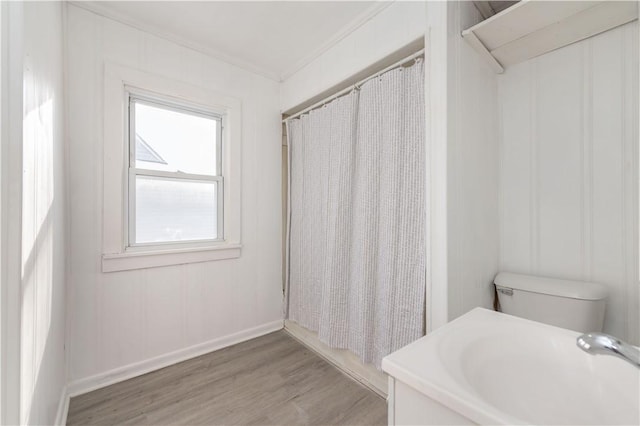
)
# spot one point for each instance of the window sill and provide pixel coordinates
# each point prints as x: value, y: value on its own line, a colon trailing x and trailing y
x: 156, y: 258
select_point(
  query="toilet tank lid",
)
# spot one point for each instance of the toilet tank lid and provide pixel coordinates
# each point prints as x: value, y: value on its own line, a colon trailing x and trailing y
x: 584, y: 290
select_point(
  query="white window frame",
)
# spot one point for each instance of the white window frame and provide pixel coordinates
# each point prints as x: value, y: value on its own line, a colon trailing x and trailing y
x: 118, y: 254
x: 137, y: 96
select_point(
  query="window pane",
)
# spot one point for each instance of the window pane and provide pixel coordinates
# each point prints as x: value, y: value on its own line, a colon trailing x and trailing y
x: 175, y: 141
x: 175, y: 210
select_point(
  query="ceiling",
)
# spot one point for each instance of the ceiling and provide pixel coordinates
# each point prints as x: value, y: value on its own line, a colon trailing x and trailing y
x: 273, y: 38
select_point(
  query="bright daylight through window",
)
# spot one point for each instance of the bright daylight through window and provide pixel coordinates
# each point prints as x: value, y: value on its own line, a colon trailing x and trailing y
x: 175, y: 173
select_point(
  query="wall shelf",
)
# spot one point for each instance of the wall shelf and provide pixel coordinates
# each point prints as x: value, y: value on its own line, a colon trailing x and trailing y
x: 531, y: 28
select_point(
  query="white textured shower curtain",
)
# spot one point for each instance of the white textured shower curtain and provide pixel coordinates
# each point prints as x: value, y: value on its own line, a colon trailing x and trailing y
x: 357, y: 222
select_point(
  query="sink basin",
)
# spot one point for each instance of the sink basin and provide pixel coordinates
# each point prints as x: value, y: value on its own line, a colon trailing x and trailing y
x: 493, y: 368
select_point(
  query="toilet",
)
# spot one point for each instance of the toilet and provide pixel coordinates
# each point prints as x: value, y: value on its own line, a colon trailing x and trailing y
x: 576, y: 305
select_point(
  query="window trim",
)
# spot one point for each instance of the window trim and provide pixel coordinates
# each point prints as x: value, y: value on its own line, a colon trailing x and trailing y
x: 136, y: 96
x: 115, y: 256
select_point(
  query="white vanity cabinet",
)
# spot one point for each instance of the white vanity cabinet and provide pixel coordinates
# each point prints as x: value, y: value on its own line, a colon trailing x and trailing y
x: 408, y: 406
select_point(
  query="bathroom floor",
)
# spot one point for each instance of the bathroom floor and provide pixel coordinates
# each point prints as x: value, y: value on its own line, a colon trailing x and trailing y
x: 265, y: 381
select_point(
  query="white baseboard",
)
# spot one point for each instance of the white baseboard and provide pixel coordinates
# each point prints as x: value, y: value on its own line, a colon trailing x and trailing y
x: 126, y: 372
x: 63, y: 408
x: 343, y: 360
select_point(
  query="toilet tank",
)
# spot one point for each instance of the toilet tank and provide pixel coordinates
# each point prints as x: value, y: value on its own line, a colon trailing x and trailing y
x: 576, y: 305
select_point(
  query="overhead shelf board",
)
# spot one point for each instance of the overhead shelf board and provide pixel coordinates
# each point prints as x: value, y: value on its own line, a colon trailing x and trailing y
x: 532, y: 28
x: 490, y: 8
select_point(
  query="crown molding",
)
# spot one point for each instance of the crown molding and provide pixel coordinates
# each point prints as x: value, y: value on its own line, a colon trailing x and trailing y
x: 97, y: 8
x: 352, y: 26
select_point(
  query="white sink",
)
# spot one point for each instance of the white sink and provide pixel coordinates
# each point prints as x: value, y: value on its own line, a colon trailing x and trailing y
x: 492, y: 368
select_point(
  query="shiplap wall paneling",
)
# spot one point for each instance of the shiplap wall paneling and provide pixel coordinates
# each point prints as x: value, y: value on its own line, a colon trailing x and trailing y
x: 122, y: 322
x: 568, y: 169
x: 42, y: 350
x: 472, y: 169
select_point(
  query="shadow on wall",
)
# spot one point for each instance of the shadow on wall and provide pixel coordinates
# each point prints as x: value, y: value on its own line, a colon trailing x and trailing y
x: 42, y: 264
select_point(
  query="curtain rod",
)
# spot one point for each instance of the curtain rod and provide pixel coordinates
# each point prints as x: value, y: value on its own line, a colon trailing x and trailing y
x: 356, y: 85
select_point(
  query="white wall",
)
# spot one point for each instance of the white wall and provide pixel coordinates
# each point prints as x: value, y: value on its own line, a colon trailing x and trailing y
x: 11, y: 115
x: 569, y: 169
x: 122, y: 321
x: 463, y: 167
x: 43, y: 216
x: 472, y: 169
x: 391, y: 29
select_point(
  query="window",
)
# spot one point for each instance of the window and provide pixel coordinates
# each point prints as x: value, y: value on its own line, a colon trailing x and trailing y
x: 171, y: 172
x: 175, y: 185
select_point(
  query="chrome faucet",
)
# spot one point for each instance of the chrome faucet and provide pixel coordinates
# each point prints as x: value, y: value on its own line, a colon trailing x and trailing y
x: 604, y: 344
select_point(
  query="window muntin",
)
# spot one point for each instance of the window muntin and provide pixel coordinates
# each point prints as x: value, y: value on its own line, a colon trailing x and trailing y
x: 175, y: 173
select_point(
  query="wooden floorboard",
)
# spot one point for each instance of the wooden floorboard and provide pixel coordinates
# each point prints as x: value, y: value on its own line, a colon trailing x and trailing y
x: 271, y: 380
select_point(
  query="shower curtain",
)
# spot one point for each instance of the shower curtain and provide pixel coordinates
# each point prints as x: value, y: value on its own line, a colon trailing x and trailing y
x: 357, y: 216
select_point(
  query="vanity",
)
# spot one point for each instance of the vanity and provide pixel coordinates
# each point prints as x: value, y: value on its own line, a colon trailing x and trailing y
x: 487, y: 367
